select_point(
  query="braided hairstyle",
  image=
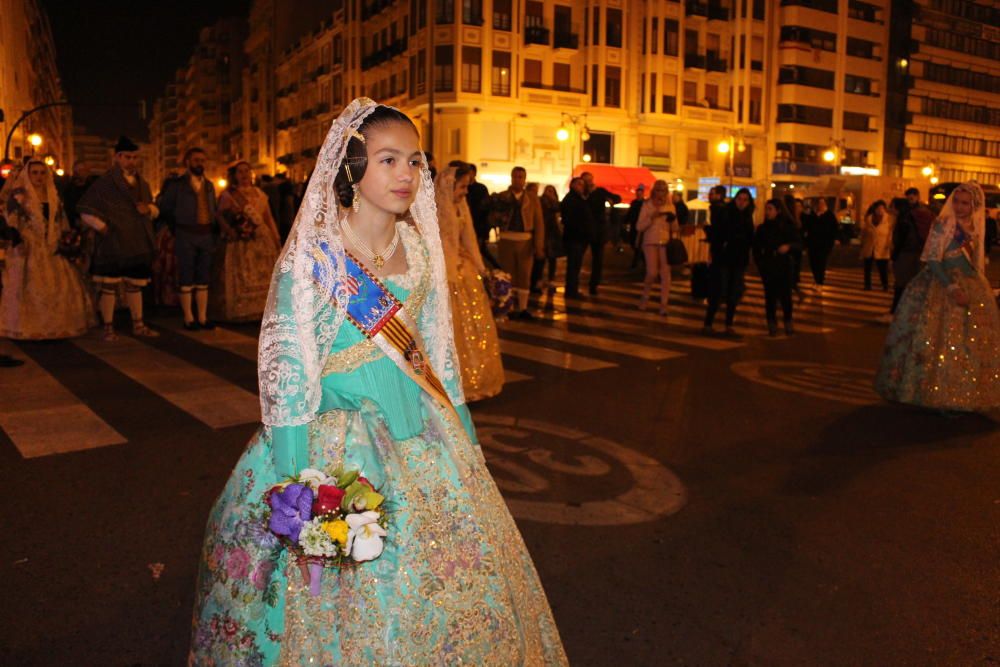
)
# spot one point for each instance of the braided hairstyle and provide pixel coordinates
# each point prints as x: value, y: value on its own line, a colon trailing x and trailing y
x: 356, y: 157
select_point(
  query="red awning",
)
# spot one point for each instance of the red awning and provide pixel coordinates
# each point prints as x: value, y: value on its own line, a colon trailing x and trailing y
x: 622, y: 181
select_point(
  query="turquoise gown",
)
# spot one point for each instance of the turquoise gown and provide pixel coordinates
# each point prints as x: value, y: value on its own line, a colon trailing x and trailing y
x: 455, y: 583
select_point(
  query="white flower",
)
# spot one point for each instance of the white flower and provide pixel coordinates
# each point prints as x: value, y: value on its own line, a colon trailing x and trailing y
x: 364, y: 537
x: 314, y: 478
x: 315, y: 541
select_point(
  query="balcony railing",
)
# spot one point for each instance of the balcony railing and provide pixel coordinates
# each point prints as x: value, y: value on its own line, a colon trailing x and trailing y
x: 801, y: 168
x: 373, y: 8
x: 718, y: 13
x: 536, y: 35
x: 562, y: 89
x: 695, y: 8
x: 384, y: 54
x: 716, y: 64
x: 566, y: 40
x: 694, y: 61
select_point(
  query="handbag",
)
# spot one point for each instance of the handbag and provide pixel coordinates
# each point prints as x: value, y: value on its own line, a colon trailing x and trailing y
x: 676, y: 251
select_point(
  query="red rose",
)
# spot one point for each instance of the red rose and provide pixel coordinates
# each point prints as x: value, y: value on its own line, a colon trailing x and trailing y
x: 328, y: 499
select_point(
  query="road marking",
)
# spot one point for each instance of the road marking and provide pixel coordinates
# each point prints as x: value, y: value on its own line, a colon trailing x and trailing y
x: 206, y: 397
x: 240, y: 344
x: 42, y: 417
x: 548, y: 356
x: 826, y: 381
x: 520, y: 450
x: 607, y: 343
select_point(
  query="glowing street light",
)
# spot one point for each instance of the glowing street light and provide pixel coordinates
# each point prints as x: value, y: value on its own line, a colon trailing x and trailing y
x: 927, y: 171
x: 35, y: 139
x: 562, y: 134
x: 934, y: 180
x: 586, y: 157
x: 50, y: 161
x: 829, y: 155
x: 60, y: 172
x: 723, y: 146
x: 222, y: 183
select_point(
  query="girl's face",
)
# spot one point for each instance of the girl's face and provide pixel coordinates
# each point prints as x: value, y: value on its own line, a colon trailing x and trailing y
x: 770, y: 211
x: 243, y: 175
x: 659, y: 194
x: 961, y: 203
x: 550, y: 192
x: 461, y: 188
x: 36, y: 174
x: 392, y: 176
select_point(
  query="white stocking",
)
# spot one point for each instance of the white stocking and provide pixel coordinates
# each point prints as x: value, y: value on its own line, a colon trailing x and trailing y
x: 106, y: 303
x: 185, y: 299
x: 133, y: 296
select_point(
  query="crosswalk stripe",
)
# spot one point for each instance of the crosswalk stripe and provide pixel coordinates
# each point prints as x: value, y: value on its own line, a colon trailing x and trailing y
x: 805, y: 312
x: 510, y: 377
x: 608, y: 343
x: 240, y: 344
x: 696, y: 313
x: 42, y: 417
x: 600, y: 323
x: 546, y: 355
x: 206, y: 397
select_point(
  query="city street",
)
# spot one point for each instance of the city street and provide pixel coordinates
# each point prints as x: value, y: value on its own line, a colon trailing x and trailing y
x: 687, y: 500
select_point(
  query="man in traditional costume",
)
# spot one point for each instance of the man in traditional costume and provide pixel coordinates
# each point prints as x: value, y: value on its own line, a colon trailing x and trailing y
x: 188, y: 204
x: 119, y: 207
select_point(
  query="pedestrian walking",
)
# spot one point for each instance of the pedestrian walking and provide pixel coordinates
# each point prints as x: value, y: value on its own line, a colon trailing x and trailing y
x: 44, y: 294
x: 657, y: 224
x: 774, y: 244
x: 478, y: 200
x: 247, y: 250
x: 730, y: 238
x: 554, y: 246
x: 680, y: 207
x: 599, y: 200
x: 876, y: 243
x: 578, y: 230
x: 821, y: 237
x: 188, y: 203
x: 631, y: 222
x: 801, y: 219
x: 119, y: 207
x: 522, y: 237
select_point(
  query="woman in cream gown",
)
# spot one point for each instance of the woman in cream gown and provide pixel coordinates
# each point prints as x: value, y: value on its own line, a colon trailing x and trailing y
x: 44, y: 295
x: 475, y: 329
x: 241, y: 273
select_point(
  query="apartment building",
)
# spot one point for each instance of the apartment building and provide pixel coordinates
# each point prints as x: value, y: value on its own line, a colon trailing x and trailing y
x: 944, y: 80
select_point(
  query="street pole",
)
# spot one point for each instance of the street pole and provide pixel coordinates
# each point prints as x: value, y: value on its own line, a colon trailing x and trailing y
x: 10, y: 135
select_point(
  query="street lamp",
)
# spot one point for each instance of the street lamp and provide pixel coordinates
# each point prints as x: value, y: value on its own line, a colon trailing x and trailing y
x: 222, y: 183
x: 50, y: 161
x: 927, y: 171
x: 563, y: 134
x: 35, y: 139
x: 60, y: 172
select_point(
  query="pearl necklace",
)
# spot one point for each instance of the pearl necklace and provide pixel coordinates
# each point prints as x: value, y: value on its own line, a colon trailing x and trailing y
x: 379, y: 259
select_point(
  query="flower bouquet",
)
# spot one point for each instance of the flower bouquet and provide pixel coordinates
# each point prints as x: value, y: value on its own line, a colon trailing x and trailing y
x: 499, y: 287
x: 69, y: 244
x: 327, y: 519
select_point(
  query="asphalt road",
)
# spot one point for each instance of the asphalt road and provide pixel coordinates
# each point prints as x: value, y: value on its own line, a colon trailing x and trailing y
x: 686, y: 502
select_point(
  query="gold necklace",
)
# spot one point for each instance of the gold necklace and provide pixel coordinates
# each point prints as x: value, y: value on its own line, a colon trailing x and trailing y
x: 378, y: 259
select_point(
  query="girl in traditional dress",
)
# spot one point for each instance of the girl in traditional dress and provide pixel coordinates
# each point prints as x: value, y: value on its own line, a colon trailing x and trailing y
x: 943, y: 348
x: 44, y: 295
x: 241, y: 273
x: 358, y: 367
x: 475, y: 331
x: 657, y: 222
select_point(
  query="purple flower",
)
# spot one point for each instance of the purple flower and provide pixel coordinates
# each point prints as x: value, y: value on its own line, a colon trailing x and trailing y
x: 290, y: 508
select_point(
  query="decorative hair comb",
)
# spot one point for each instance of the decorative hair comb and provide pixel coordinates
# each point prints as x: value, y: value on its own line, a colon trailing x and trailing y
x: 357, y: 135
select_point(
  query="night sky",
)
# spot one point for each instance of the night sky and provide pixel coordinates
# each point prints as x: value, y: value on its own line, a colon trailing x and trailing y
x: 116, y: 52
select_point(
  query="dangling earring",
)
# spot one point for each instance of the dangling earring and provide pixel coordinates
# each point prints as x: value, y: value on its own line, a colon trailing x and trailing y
x: 356, y: 204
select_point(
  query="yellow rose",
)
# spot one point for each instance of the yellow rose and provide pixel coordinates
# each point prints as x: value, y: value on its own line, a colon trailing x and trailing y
x: 337, y: 530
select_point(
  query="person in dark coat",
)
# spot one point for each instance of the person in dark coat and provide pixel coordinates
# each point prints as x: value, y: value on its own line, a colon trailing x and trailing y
x: 680, y: 207
x: 631, y: 220
x: 821, y: 235
x: 913, y: 224
x: 73, y: 191
x: 774, y: 245
x: 578, y: 229
x: 188, y: 204
x: 478, y: 199
x: 597, y: 199
x: 729, y: 247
